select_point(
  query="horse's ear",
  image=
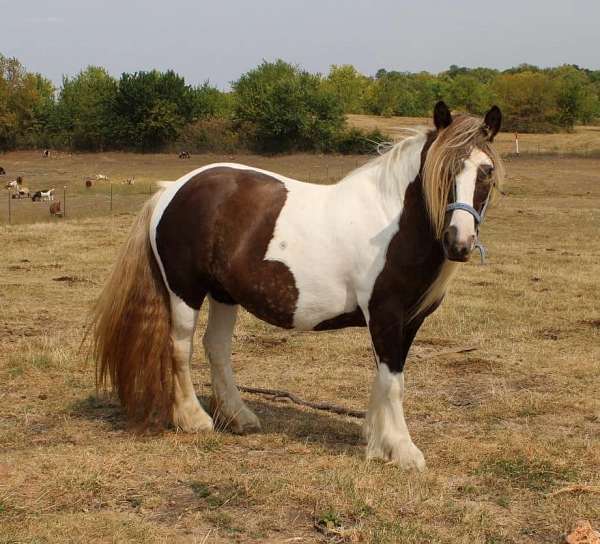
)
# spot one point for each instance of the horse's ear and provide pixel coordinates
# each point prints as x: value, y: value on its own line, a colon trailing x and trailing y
x: 441, y: 115
x: 493, y: 120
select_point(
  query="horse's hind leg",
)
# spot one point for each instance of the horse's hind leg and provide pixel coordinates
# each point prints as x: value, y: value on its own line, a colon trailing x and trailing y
x: 188, y: 414
x: 229, y: 409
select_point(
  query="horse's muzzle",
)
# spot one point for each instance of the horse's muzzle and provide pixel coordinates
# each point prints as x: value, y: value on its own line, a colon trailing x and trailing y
x: 454, y: 249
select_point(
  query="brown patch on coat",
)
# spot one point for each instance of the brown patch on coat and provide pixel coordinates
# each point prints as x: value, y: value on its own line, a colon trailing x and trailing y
x: 213, y: 237
x: 413, y: 260
x: 349, y: 319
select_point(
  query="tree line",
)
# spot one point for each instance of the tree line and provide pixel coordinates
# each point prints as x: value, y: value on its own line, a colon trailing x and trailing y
x: 274, y: 107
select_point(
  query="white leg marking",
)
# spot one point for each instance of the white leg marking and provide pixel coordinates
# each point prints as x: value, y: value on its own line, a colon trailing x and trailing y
x: 385, y: 428
x: 188, y: 414
x: 229, y: 407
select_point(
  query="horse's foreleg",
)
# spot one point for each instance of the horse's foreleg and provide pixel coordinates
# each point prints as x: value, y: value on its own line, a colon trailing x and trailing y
x: 188, y: 414
x: 385, y: 428
x: 229, y: 409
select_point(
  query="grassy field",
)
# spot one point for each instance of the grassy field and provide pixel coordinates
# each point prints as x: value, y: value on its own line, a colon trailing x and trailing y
x: 67, y: 172
x: 506, y: 429
x: 584, y: 140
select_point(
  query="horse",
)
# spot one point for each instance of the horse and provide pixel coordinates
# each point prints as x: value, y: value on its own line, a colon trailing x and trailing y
x: 129, y: 181
x: 378, y: 249
x: 44, y: 195
x: 46, y: 153
x: 101, y: 177
x: 184, y: 155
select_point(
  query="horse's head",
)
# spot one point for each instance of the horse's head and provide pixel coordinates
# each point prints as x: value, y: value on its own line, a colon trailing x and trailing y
x: 460, y: 172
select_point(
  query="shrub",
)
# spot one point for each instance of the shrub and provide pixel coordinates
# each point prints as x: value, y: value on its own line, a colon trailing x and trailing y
x: 357, y: 142
x: 212, y: 135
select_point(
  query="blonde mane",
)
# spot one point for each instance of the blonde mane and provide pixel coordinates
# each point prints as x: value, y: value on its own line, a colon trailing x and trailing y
x: 445, y: 160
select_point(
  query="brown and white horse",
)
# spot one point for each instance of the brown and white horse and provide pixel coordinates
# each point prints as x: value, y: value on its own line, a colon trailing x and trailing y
x: 376, y: 249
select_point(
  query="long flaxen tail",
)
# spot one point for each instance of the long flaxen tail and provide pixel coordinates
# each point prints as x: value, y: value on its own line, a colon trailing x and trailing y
x: 130, y: 328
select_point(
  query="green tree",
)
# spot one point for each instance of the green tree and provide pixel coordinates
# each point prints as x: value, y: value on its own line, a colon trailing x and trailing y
x: 84, y: 109
x: 576, y: 97
x: 209, y: 101
x: 467, y: 93
x: 348, y: 86
x: 22, y: 96
x: 527, y: 99
x: 283, y: 107
x: 150, y: 108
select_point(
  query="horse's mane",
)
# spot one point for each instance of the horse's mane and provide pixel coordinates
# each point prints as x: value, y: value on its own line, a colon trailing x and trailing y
x: 443, y: 163
x: 445, y: 159
x: 396, y: 165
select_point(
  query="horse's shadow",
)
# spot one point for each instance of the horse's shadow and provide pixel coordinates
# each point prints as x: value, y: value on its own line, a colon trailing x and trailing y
x: 336, y: 433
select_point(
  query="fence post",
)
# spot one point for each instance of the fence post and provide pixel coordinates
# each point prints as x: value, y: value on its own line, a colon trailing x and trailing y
x: 111, y: 197
x: 64, y: 201
x: 9, y: 208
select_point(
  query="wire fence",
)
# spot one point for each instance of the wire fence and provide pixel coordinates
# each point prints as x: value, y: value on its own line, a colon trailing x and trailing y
x: 74, y: 204
x: 104, y: 198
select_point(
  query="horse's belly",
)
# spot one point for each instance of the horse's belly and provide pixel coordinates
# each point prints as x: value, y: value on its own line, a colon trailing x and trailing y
x: 321, y: 302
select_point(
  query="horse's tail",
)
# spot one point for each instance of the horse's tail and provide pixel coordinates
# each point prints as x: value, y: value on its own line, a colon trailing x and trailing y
x: 130, y: 326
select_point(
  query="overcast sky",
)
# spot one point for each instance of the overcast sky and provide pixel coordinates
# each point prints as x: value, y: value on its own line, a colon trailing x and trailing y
x: 220, y: 39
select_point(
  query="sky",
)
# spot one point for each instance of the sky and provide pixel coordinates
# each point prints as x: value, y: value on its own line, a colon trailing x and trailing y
x: 219, y: 40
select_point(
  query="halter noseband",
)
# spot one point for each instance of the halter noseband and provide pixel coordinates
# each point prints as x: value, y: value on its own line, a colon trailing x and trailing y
x: 479, y: 217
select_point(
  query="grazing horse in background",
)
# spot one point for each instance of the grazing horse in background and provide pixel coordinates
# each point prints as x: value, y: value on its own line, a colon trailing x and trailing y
x: 377, y: 249
x: 46, y: 153
x: 184, y: 155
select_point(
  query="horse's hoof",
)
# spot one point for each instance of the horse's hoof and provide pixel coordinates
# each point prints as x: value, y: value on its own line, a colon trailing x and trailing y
x: 238, y: 420
x: 191, y: 418
x: 403, y: 454
x: 248, y: 424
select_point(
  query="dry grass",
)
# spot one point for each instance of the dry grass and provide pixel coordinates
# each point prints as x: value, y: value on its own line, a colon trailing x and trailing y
x: 502, y: 427
x: 584, y: 140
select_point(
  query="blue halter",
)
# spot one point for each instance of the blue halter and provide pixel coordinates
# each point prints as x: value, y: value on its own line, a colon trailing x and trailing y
x: 479, y: 217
